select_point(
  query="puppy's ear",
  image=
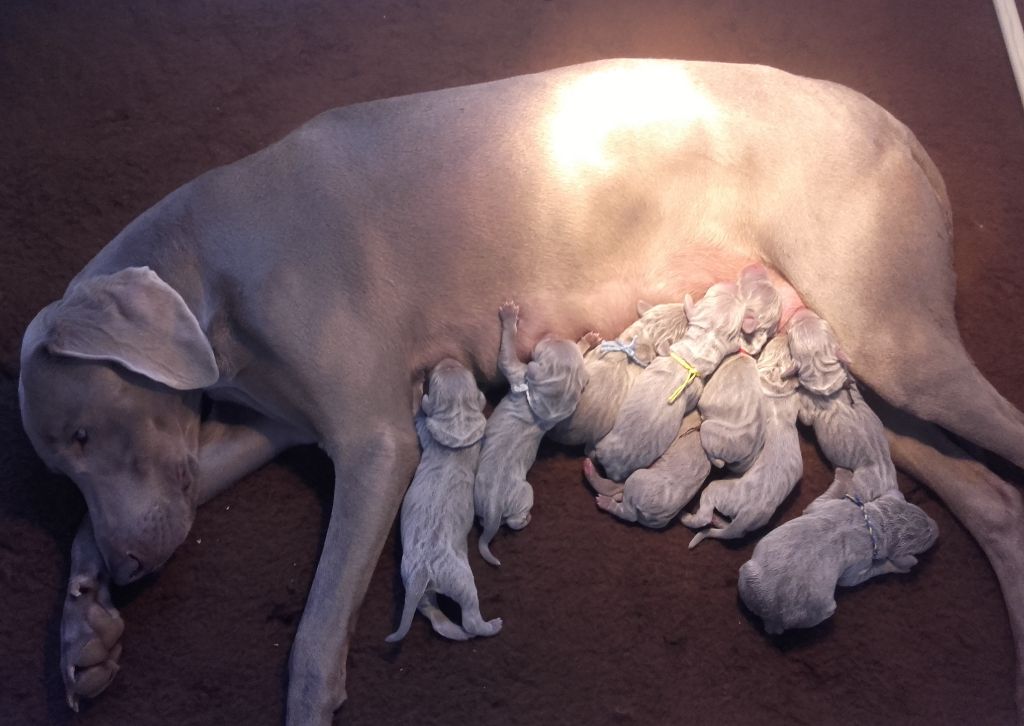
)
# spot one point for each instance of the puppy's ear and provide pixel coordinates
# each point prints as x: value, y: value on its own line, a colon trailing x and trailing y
x: 642, y: 306
x: 134, y: 318
x: 688, y: 306
x: 791, y: 370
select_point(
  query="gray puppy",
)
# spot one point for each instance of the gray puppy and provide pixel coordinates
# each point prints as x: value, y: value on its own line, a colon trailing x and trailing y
x: 543, y: 392
x: 732, y: 411
x: 849, y: 433
x: 728, y: 317
x: 437, y: 513
x: 655, y: 495
x: 612, y: 368
x: 733, y: 507
x: 791, y: 578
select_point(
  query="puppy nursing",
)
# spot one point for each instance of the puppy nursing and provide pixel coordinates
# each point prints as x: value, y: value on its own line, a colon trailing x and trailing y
x: 632, y: 402
x: 542, y: 393
x: 437, y: 513
x: 613, y: 366
x: 728, y: 317
x: 749, y: 501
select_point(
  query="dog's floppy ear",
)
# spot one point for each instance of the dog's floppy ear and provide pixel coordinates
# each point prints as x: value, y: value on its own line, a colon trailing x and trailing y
x: 133, y: 318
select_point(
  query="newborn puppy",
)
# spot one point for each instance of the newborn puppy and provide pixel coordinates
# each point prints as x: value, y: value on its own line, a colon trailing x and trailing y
x: 734, y: 507
x: 543, y: 392
x: 612, y: 368
x: 437, y: 512
x: 652, y: 413
x: 849, y: 433
x: 791, y: 578
x: 654, y: 496
x: 732, y: 428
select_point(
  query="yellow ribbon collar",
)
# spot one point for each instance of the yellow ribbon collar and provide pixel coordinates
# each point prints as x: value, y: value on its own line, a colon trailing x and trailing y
x: 691, y: 374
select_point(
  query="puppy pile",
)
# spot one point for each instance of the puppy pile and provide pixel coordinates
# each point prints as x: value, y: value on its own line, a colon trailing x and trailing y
x: 686, y: 388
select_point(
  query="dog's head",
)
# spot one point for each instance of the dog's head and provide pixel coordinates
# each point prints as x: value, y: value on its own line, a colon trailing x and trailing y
x: 823, y: 367
x: 776, y: 367
x: 453, y: 406
x: 110, y: 395
x: 555, y: 378
x: 658, y: 327
x: 763, y: 308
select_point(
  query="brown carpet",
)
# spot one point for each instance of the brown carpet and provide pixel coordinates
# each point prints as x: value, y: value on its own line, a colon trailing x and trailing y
x: 107, y: 106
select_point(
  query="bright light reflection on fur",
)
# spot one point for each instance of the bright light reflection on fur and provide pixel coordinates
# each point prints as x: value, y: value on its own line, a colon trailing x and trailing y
x: 660, y: 102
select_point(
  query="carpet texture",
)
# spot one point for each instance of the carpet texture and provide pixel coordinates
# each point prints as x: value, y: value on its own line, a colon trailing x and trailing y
x: 106, y: 107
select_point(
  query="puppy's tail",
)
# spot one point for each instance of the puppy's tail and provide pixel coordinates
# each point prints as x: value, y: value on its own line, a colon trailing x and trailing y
x: 415, y: 586
x: 698, y: 538
x: 491, y: 526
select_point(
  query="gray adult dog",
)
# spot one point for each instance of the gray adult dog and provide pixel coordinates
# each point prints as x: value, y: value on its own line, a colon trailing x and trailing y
x: 316, y: 281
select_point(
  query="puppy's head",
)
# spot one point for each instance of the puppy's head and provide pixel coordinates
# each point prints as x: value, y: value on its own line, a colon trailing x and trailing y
x: 906, y: 530
x: 762, y: 307
x: 110, y: 394
x: 822, y: 367
x: 453, y: 406
x: 555, y: 379
x: 776, y: 367
x: 657, y: 329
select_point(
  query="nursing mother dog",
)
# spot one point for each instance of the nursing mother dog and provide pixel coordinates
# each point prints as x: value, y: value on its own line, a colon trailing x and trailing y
x: 303, y: 283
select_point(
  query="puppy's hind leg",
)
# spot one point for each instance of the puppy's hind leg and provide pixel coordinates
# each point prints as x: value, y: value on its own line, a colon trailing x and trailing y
x: 459, y: 585
x: 598, y: 483
x: 439, y: 621
x: 991, y: 509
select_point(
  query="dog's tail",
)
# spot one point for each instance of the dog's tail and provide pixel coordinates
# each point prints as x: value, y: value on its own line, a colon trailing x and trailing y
x: 415, y: 587
x: 491, y: 527
x: 698, y: 538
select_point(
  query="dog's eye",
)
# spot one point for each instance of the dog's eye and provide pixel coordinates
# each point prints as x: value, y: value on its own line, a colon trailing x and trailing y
x: 81, y: 436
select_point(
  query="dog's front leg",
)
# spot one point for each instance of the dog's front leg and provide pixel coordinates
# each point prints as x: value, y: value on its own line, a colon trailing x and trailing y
x: 373, y: 467
x: 232, y: 443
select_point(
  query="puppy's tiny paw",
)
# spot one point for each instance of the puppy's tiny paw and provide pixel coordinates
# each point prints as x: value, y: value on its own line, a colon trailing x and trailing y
x: 509, y: 311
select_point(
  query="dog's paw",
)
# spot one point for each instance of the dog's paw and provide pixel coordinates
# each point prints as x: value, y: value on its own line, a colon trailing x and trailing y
x: 509, y: 312
x: 592, y: 338
x: 90, y: 639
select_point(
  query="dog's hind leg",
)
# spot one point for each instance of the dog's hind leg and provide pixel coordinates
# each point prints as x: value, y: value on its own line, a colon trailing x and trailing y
x: 882, y: 275
x: 991, y: 509
x: 439, y: 621
x: 460, y: 586
x: 374, y: 460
